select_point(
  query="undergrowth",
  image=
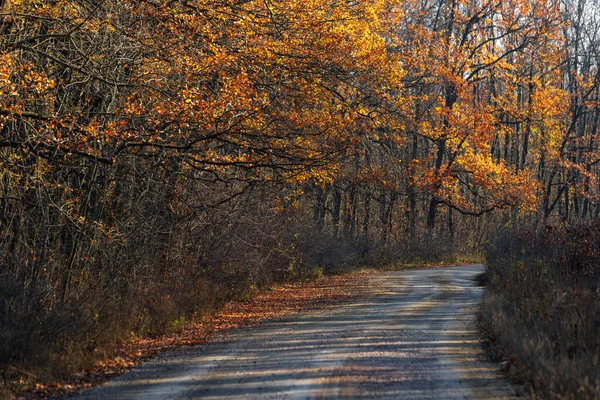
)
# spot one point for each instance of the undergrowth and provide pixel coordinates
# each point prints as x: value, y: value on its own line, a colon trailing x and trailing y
x: 541, y: 311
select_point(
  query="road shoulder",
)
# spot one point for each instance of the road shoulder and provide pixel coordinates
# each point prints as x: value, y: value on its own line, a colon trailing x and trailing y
x: 274, y: 303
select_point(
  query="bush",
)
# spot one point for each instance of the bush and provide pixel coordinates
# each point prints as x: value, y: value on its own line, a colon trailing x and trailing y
x: 542, y: 308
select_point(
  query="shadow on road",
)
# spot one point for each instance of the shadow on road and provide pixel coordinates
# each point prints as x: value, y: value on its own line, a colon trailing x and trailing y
x: 413, y: 338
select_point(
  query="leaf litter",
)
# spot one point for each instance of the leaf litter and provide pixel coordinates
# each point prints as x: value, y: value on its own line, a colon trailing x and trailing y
x: 273, y: 303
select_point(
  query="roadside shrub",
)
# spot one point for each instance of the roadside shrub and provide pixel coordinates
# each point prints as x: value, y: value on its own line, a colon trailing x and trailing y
x: 28, y: 328
x: 542, y: 308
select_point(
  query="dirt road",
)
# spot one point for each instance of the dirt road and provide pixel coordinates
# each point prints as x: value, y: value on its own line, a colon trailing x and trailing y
x: 412, y: 337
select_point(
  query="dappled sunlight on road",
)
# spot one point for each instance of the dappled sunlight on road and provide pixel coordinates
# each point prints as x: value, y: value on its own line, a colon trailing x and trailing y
x: 413, y: 338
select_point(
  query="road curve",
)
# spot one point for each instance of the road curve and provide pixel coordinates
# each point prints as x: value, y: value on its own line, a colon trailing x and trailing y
x: 412, y: 337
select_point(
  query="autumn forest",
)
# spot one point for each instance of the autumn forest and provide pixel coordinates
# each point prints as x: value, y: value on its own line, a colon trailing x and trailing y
x: 170, y: 156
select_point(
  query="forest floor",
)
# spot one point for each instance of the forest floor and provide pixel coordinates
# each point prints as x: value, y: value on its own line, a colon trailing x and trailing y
x: 408, y: 334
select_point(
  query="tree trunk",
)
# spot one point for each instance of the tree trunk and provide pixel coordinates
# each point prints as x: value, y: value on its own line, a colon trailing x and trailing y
x: 336, y: 211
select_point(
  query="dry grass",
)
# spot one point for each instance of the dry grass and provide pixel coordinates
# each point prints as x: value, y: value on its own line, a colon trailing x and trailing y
x: 275, y: 302
x: 541, y: 313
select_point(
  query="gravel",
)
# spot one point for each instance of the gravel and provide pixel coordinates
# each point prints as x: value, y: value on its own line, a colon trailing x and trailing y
x: 412, y: 337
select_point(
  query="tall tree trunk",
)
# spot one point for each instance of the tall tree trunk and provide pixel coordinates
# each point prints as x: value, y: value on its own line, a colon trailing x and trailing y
x: 367, y: 217
x: 412, y: 196
x: 450, y: 225
x: 319, y: 208
x: 382, y: 215
x: 350, y: 214
x: 336, y: 211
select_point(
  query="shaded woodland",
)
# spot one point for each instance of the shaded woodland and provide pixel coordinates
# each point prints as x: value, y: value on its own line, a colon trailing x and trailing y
x: 160, y: 158
x: 541, y: 311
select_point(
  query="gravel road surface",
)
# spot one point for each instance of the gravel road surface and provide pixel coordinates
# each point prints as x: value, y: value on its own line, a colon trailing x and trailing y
x: 412, y: 337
